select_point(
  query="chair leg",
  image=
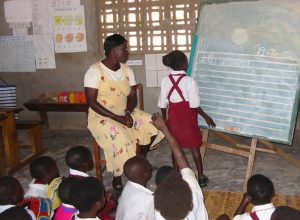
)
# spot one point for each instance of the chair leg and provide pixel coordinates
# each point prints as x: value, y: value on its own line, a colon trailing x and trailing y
x: 36, y: 137
x: 97, y: 157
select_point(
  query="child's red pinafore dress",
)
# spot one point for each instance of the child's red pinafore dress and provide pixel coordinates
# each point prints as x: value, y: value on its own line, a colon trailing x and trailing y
x: 183, y: 120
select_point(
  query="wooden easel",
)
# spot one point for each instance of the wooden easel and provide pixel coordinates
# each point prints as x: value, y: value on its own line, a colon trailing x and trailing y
x: 244, y: 150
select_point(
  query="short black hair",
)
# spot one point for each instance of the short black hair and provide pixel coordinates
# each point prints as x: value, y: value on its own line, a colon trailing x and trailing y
x: 162, y: 172
x: 16, y: 212
x: 137, y: 169
x: 64, y: 190
x: 41, y: 167
x: 261, y: 189
x: 77, y: 156
x: 86, y: 192
x: 11, y: 191
x: 113, y: 41
x: 174, y: 59
x: 173, y: 197
x: 286, y: 213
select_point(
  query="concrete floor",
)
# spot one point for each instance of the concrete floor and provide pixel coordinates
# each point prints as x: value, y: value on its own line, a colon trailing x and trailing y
x: 226, y: 172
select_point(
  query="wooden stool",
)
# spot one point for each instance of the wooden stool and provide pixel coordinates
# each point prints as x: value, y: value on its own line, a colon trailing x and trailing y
x: 35, y: 133
x: 100, y: 163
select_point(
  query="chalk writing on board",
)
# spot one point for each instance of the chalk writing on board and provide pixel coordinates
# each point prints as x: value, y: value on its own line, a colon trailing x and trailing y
x: 246, y: 62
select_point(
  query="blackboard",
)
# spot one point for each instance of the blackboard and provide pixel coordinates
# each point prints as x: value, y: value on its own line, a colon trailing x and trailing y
x: 246, y: 59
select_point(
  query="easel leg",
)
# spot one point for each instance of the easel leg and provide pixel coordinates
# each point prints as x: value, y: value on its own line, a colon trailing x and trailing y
x: 251, y: 158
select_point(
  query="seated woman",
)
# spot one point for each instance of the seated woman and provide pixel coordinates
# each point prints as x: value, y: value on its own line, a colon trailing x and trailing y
x: 113, y: 119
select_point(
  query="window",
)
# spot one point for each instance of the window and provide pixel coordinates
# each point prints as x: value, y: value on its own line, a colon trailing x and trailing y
x: 150, y: 26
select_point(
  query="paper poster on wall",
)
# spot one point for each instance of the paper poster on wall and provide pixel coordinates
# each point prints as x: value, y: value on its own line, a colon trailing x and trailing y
x: 18, y: 11
x: 42, y: 13
x: 17, y: 54
x: 69, y: 29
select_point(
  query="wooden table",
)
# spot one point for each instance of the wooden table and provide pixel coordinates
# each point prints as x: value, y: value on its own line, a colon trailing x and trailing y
x: 43, y: 108
x: 10, y: 139
x: 2, y: 157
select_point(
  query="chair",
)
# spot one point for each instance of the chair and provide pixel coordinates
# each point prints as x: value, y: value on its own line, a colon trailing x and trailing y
x: 96, y: 148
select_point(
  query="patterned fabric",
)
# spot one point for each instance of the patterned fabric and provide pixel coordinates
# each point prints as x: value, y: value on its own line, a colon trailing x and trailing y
x: 65, y: 212
x: 117, y: 140
x: 52, y: 192
x: 41, y: 207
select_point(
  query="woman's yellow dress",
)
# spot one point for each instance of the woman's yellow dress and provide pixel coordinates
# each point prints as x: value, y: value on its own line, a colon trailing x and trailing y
x: 117, y: 140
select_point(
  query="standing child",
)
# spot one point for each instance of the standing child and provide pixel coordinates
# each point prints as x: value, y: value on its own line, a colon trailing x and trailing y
x: 179, y: 93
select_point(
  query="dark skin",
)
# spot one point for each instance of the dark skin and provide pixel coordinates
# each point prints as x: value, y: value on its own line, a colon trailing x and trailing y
x: 195, y: 152
x: 116, y: 56
x: 92, y: 213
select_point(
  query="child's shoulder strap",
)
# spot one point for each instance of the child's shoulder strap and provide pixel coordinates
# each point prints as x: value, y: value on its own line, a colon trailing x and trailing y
x: 254, y: 216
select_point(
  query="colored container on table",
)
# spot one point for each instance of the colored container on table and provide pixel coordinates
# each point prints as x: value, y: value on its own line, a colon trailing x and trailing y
x: 66, y: 97
x: 82, y: 97
x: 71, y: 97
x: 77, y: 97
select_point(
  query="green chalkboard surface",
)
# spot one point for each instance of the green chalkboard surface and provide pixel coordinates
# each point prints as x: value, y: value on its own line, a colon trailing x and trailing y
x: 246, y: 61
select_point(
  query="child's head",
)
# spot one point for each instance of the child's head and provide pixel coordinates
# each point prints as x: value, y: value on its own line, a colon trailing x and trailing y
x: 173, y: 197
x: 64, y: 190
x: 80, y: 158
x: 138, y: 169
x: 11, y: 191
x: 44, y: 169
x: 161, y: 173
x: 261, y: 189
x: 18, y: 213
x: 88, y: 196
x: 176, y: 60
x: 286, y: 213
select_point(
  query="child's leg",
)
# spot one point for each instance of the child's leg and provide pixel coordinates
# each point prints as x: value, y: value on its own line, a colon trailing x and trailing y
x: 198, y: 161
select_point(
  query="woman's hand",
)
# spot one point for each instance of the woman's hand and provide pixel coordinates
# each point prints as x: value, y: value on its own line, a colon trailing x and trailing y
x: 128, y: 120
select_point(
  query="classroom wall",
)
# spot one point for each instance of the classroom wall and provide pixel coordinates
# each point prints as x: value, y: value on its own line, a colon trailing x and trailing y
x: 68, y: 75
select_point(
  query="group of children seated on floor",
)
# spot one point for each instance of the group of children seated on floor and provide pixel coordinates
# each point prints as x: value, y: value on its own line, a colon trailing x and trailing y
x: 78, y: 196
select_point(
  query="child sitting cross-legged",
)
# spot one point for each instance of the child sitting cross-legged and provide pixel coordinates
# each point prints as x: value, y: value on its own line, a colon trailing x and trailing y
x: 65, y: 211
x: 80, y: 161
x: 43, y: 170
x: 260, y: 191
x: 16, y: 212
x: 11, y: 193
x: 88, y: 196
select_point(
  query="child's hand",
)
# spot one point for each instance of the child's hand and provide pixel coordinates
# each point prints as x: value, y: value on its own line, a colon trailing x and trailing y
x: 158, y: 121
x: 210, y: 122
x: 246, y: 198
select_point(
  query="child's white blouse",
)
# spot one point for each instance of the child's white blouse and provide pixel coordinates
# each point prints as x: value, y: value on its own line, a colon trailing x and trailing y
x: 187, y: 85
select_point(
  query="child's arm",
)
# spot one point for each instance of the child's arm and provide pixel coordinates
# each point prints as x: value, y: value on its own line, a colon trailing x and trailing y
x: 242, y: 207
x: 209, y: 121
x: 160, y: 124
x: 164, y: 113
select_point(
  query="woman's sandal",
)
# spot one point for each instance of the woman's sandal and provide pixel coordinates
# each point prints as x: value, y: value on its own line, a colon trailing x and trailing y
x: 203, y: 181
x: 117, y: 184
